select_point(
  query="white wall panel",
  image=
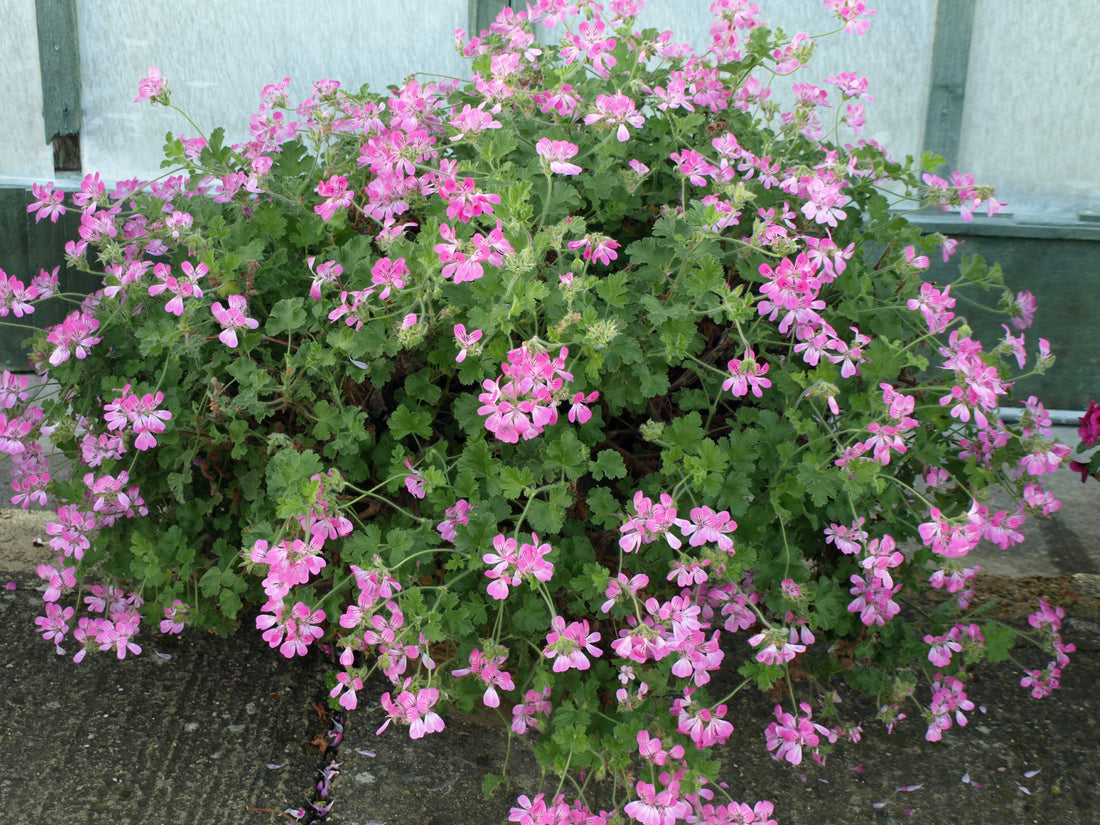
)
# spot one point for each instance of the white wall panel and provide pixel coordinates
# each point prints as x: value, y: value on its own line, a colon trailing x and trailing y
x: 1031, y: 124
x: 894, y: 55
x: 24, y: 153
x: 218, y: 56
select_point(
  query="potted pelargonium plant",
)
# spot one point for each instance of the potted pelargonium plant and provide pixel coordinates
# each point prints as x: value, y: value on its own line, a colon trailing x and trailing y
x: 555, y: 391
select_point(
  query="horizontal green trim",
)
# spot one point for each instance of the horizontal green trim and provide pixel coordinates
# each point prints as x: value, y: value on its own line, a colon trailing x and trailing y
x: 1054, y: 228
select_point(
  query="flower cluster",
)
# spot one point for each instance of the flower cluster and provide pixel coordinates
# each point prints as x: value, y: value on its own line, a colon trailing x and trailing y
x: 1089, y: 432
x: 524, y: 400
x: 140, y: 414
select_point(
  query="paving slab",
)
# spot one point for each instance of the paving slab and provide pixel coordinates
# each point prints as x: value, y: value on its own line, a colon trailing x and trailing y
x: 151, y: 741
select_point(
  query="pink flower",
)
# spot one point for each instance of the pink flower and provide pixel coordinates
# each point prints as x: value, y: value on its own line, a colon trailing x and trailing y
x: 578, y: 411
x: 153, y: 87
x: 941, y: 648
x: 57, y: 581
x: 73, y: 336
x: 526, y: 715
x: 504, y: 563
x: 598, y: 248
x: 616, y: 110
x: 466, y: 342
x: 556, y: 153
x: 707, y: 526
x: 15, y: 296
x: 532, y: 560
x: 70, y: 531
x: 472, y: 121
x: 1089, y: 431
x: 180, y: 288
x: 91, y: 192
x: 567, y: 645
x: 328, y: 272
x: 55, y: 624
x: 233, y: 318
x: 706, y: 727
x: 141, y: 413
x: 415, y: 711
x: 48, y: 203
x: 336, y: 194
x: 347, y: 688
x: 1022, y: 310
x: 649, y: 748
x: 465, y: 201
x: 456, y: 515
x: 847, y: 539
x: 618, y: 586
x: 789, y: 734
x: 919, y: 262
x: 745, y: 375
x: 653, y: 807
x: 693, y: 166
x: 175, y: 617
x: 414, y: 482
x: 854, y: 13
x: 388, y: 274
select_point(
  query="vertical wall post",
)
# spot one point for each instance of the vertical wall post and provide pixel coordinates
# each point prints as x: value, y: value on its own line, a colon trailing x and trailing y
x: 59, y: 62
x: 484, y: 12
x: 950, y: 61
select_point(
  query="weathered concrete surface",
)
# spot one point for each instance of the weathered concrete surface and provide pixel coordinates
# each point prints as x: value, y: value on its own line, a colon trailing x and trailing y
x: 147, y: 740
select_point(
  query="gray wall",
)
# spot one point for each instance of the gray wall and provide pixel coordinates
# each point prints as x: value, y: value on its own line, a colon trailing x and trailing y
x: 1028, y: 123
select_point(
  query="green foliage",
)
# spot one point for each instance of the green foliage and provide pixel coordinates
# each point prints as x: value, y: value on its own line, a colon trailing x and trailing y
x: 698, y: 381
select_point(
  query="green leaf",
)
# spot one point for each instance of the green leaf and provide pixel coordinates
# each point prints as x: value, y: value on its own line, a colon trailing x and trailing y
x: 999, y: 639
x: 514, y: 480
x: 287, y: 315
x: 489, y: 783
x: 685, y: 432
x: 566, y: 454
x: 603, y: 508
x: 401, y: 543
x: 612, y: 289
x: 406, y: 422
x: 211, y: 582
x: 608, y: 464
x: 547, y: 515
x: 494, y: 144
x: 230, y: 603
x: 420, y: 386
x: 765, y: 676
x: 289, y: 480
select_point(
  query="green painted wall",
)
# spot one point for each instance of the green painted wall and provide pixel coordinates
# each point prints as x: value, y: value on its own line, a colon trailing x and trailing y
x: 1064, y: 276
x: 25, y: 248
